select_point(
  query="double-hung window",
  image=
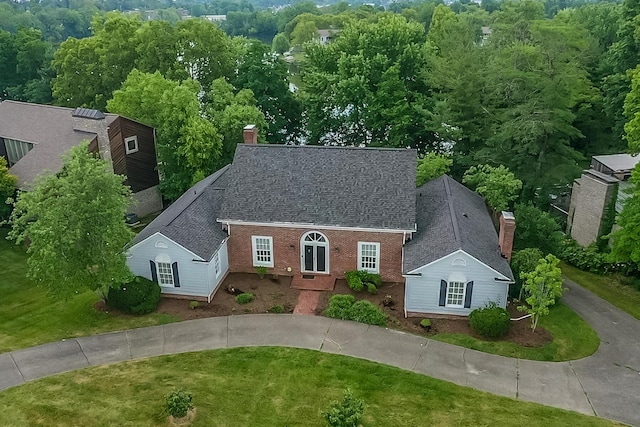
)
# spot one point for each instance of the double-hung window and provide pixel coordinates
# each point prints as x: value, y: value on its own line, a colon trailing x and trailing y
x: 165, y: 274
x: 455, y: 294
x: 262, y: 251
x: 369, y: 256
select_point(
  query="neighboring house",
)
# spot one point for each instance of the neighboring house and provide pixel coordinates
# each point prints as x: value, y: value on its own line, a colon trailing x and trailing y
x: 34, y: 137
x: 326, y: 36
x: 598, y: 196
x: 316, y: 212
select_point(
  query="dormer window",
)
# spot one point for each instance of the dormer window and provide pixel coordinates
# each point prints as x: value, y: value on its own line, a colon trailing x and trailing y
x: 131, y: 144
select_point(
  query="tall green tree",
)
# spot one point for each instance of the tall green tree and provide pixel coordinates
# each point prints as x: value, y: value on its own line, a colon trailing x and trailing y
x: 188, y: 145
x: 8, y: 184
x: 362, y: 88
x: 542, y: 287
x: 231, y: 113
x: 74, y: 222
x: 498, y: 185
x: 89, y: 70
x: 266, y: 75
x: 431, y: 166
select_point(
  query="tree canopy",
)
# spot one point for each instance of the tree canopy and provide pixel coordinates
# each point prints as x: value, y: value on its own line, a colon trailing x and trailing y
x: 74, y: 223
x: 498, y: 185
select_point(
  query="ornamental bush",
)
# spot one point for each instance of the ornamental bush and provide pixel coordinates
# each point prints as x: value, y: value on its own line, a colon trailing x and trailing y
x: 346, y: 307
x: 339, y: 306
x: 244, y: 298
x: 140, y: 296
x: 490, y: 321
x: 347, y: 413
x: 364, y: 312
x: 178, y: 403
x: 360, y: 279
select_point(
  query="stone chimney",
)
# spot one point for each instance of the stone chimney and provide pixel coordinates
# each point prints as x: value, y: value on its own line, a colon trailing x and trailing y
x: 507, y: 231
x: 250, y: 134
x: 93, y: 121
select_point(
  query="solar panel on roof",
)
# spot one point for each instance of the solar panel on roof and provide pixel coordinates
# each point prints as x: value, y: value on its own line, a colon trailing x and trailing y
x: 88, y: 113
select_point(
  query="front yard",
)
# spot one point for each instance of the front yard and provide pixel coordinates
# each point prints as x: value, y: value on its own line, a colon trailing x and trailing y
x: 264, y: 387
x: 28, y: 316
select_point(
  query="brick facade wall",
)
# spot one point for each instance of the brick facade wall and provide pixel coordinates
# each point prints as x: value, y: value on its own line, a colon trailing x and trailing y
x: 342, y: 250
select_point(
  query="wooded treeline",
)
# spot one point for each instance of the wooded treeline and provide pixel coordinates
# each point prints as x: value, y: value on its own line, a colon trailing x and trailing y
x: 537, y: 87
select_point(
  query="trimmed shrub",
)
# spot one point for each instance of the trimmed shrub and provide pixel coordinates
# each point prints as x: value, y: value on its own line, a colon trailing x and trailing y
x: 360, y: 279
x: 339, y: 306
x: 364, y: 312
x: 346, y: 307
x: 371, y: 288
x: 140, y: 296
x: 425, y: 323
x: 588, y: 259
x: 244, y: 298
x: 490, y: 321
x: 178, y: 403
x: 347, y: 413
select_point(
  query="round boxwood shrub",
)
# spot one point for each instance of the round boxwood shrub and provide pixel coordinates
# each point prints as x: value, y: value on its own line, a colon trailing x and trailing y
x: 140, y: 296
x: 364, y: 312
x: 491, y: 321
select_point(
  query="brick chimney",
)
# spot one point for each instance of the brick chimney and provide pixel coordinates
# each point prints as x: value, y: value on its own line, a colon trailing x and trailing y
x: 250, y: 134
x: 507, y: 230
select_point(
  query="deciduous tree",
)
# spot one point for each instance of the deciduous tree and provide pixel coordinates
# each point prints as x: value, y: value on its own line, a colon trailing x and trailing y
x: 74, y: 223
x: 498, y: 185
x: 7, y: 188
x: 542, y: 287
x: 431, y: 166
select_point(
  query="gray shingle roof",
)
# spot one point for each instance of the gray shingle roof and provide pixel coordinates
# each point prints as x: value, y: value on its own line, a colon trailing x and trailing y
x: 334, y: 186
x: 191, y: 220
x: 51, y: 131
x: 452, y: 217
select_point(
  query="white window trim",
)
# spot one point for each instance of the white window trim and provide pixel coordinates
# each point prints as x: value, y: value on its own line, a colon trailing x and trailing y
x: 464, y: 293
x: 256, y: 263
x: 216, y: 264
x: 360, y: 266
x: 133, y: 138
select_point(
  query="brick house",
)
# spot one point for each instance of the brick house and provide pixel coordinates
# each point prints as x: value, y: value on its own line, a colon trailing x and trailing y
x: 34, y: 137
x: 314, y: 213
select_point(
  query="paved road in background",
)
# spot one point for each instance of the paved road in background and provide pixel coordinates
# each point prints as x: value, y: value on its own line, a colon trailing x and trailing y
x: 606, y: 384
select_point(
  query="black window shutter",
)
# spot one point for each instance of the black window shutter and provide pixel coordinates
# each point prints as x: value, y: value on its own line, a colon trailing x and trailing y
x: 467, y: 295
x: 154, y: 273
x: 176, y: 276
x: 443, y: 293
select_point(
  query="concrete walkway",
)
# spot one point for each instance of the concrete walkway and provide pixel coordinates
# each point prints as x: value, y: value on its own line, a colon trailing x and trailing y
x: 606, y: 384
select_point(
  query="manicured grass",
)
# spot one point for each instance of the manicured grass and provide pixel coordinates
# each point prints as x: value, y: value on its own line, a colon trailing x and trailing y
x: 28, y: 316
x: 573, y: 339
x: 608, y: 287
x: 264, y: 387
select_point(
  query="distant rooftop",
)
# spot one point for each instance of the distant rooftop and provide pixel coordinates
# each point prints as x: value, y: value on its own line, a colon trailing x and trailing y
x: 617, y: 162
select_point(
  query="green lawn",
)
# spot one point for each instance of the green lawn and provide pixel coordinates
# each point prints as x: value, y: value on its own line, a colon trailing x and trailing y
x: 573, y: 339
x: 28, y: 316
x: 264, y: 387
x: 608, y: 287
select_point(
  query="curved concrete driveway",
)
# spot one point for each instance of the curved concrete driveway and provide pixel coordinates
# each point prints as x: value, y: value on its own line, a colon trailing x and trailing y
x: 605, y: 384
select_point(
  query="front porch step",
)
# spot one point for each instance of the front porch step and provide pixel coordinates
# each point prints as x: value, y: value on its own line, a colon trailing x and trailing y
x: 316, y: 283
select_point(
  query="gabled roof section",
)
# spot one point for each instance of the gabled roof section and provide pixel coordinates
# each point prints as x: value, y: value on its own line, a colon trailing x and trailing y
x: 49, y: 128
x: 452, y: 217
x: 191, y: 220
x: 329, y: 186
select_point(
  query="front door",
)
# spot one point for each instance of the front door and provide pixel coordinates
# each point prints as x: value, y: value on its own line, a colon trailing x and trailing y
x: 314, y: 253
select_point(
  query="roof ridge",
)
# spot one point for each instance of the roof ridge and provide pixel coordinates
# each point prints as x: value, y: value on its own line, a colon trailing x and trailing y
x: 334, y: 147
x: 454, y: 219
x: 11, y: 101
x: 219, y: 173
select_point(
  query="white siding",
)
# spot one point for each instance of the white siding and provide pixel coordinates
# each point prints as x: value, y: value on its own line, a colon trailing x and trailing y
x: 197, y: 278
x: 422, y: 293
x: 224, y: 267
